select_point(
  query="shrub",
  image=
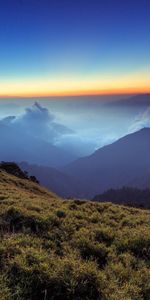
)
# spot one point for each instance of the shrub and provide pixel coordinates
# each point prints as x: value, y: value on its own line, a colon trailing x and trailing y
x: 59, y: 279
x: 60, y: 214
x: 105, y: 235
x: 90, y: 250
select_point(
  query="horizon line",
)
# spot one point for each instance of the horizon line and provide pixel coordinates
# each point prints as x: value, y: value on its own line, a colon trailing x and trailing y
x: 109, y: 92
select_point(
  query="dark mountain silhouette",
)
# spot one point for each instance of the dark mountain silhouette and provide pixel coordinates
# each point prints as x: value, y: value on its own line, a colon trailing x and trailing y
x: 141, y: 181
x: 113, y: 166
x: 53, y: 179
x: 126, y: 195
x: 136, y: 100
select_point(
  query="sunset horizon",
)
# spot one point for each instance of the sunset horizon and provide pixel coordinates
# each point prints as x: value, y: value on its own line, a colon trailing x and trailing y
x: 66, y: 49
x: 114, y: 92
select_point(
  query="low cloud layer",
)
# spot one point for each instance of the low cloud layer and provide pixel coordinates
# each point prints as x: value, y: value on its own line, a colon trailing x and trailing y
x: 32, y: 136
x: 70, y: 130
x: 141, y: 121
x: 37, y: 121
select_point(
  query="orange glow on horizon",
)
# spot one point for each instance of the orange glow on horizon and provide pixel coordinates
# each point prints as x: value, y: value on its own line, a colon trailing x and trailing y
x: 114, y: 91
x: 76, y: 86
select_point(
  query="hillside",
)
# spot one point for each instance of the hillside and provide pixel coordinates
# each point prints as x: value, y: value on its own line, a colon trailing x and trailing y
x: 53, y: 179
x: 53, y: 249
x: 114, y: 166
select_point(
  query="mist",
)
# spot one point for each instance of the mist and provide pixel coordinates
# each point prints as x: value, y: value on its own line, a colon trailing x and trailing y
x: 74, y: 127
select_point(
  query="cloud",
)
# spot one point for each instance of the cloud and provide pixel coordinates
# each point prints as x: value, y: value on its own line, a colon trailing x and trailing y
x: 85, y: 142
x: 37, y: 121
x: 8, y: 120
x: 32, y: 137
x: 71, y: 129
x: 141, y: 121
x: 37, y: 112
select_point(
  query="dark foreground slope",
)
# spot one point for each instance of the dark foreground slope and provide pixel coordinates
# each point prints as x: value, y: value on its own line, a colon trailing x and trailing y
x: 52, y: 249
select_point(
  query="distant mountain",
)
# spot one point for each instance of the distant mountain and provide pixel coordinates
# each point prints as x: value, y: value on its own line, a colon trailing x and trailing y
x: 53, y: 179
x: 126, y: 195
x: 136, y: 100
x: 113, y: 166
x: 19, y: 145
x: 141, y: 181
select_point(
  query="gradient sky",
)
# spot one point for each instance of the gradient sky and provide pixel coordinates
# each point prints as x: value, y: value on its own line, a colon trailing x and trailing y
x: 67, y: 47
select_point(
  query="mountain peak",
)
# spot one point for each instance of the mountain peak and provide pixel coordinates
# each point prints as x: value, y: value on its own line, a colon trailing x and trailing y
x: 145, y: 129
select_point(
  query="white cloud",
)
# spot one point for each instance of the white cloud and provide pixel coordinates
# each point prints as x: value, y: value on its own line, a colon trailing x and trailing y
x: 141, y: 121
x: 37, y: 121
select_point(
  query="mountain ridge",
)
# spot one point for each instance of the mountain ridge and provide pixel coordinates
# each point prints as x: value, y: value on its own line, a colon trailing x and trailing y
x: 113, y: 165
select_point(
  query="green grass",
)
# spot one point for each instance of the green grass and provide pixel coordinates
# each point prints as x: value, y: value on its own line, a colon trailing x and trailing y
x: 55, y: 249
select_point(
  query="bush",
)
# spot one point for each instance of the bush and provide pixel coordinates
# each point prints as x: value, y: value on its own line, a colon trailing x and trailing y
x: 105, y: 235
x: 60, y: 214
x: 90, y: 250
x: 62, y: 279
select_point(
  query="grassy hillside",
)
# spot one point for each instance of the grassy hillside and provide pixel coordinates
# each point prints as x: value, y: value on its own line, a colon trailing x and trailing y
x: 56, y: 249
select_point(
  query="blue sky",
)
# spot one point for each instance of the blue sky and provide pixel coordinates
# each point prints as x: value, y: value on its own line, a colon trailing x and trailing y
x: 95, y: 42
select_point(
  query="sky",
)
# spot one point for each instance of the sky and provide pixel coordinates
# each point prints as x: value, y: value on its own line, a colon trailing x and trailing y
x: 78, y: 47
